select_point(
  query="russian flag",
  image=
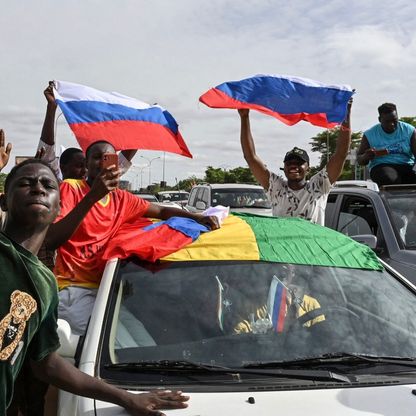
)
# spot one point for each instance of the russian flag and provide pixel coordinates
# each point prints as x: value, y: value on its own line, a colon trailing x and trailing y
x: 276, y: 304
x: 289, y: 99
x: 124, y: 122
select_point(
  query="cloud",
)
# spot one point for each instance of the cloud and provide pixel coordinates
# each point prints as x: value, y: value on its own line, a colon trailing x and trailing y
x: 172, y: 52
x: 375, y: 45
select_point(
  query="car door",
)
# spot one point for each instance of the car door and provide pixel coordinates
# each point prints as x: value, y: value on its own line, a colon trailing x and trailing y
x: 190, y: 206
x: 357, y: 216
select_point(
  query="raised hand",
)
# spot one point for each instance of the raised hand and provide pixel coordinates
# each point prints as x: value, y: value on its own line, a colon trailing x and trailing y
x: 4, y: 151
x: 106, y: 181
x: 243, y: 112
x: 49, y: 94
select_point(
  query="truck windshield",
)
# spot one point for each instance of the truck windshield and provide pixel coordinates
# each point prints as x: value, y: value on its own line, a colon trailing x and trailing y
x: 234, y: 313
x: 240, y: 198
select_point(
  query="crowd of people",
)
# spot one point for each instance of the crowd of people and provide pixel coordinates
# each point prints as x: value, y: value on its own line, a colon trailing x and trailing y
x: 64, y: 212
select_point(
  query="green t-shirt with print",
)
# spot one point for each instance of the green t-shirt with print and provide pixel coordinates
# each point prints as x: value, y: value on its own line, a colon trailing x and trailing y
x: 28, y: 313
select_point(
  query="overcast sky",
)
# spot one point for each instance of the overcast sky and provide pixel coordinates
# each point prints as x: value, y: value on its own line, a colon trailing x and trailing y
x: 170, y: 52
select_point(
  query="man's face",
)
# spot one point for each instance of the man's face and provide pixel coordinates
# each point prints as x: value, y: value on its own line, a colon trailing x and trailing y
x: 389, y: 121
x: 296, y: 169
x: 32, y: 197
x: 76, y: 168
x: 95, y: 155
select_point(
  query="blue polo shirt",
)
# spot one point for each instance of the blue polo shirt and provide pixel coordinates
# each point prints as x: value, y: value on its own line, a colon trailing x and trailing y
x: 397, y: 143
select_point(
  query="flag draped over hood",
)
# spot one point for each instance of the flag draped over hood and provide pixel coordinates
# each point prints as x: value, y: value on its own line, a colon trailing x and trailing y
x: 153, y: 241
x: 281, y: 240
x: 124, y: 122
x: 289, y: 99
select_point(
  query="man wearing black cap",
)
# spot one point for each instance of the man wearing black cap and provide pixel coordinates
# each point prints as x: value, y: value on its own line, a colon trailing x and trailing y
x: 294, y: 196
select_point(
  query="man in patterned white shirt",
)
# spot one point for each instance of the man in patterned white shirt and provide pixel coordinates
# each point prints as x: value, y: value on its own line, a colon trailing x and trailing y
x: 295, y: 196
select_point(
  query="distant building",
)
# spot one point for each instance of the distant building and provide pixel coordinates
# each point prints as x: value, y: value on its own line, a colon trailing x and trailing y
x: 126, y: 185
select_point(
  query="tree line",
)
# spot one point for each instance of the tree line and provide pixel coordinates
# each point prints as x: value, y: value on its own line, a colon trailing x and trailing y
x: 323, y: 143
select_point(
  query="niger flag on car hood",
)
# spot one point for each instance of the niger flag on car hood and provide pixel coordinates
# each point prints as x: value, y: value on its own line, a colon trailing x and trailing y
x: 282, y: 240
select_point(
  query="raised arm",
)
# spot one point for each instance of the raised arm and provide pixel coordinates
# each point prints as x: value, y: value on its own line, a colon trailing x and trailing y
x: 57, y: 371
x: 60, y: 232
x: 337, y: 160
x: 48, y: 129
x: 257, y: 167
x: 4, y: 150
x: 365, y: 153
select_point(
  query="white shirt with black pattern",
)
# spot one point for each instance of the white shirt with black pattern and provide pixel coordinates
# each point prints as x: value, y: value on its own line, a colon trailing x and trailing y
x: 308, y: 203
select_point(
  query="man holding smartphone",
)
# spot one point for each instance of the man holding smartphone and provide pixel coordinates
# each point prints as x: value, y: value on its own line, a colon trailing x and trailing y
x: 93, y: 211
x: 389, y: 148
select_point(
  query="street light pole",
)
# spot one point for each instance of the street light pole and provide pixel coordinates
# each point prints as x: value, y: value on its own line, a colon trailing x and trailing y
x: 150, y: 166
x: 164, y: 161
x: 139, y: 171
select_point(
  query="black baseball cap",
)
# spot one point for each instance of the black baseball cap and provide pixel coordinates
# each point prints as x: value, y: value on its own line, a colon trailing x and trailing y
x: 296, y: 153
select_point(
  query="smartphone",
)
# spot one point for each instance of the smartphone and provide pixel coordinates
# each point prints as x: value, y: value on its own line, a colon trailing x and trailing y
x: 108, y: 160
x: 381, y: 152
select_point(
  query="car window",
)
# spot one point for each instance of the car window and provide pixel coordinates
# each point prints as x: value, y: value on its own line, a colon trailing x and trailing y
x: 148, y: 197
x: 403, y: 216
x: 240, y: 198
x: 173, y: 196
x: 192, y: 196
x: 204, y: 197
x: 231, y: 313
x: 329, y: 210
x: 357, y: 217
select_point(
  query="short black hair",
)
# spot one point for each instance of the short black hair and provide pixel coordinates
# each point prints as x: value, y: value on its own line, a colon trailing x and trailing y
x: 93, y: 144
x: 16, y: 168
x: 67, y: 154
x: 386, y: 108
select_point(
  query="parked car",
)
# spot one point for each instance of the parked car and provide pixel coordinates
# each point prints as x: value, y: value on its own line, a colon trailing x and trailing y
x: 165, y: 203
x: 148, y: 197
x: 384, y: 218
x: 238, y: 196
x: 177, y: 197
x: 297, y: 320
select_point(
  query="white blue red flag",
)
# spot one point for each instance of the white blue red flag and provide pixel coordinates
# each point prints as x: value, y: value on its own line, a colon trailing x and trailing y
x: 123, y: 121
x: 289, y: 99
x: 276, y: 304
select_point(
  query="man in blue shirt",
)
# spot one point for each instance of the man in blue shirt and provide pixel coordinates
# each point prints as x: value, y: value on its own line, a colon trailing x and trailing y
x: 389, y: 148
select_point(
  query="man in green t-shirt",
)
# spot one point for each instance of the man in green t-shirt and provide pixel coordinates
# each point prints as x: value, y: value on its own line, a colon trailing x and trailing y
x: 29, y: 299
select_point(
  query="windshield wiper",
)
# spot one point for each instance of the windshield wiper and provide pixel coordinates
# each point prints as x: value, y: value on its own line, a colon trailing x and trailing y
x: 336, y: 358
x: 168, y: 365
x: 190, y: 366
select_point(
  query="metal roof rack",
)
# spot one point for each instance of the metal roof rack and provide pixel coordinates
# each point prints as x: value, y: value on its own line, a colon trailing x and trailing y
x: 361, y: 184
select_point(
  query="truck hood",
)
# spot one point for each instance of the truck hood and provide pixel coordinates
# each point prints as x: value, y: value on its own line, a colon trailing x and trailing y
x: 362, y: 401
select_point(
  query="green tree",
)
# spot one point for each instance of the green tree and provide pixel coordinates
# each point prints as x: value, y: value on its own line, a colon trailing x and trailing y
x: 410, y: 120
x: 236, y: 175
x: 188, y: 183
x: 2, y: 179
x: 325, y: 143
x: 243, y: 175
x: 214, y: 175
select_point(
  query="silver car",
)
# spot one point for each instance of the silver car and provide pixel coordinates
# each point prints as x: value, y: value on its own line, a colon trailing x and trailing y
x: 238, y: 196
